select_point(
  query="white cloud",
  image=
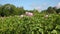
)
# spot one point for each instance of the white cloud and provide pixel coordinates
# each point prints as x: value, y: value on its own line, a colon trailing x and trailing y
x: 44, y: 4
x: 38, y: 6
x: 35, y: 5
x: 58, y: 5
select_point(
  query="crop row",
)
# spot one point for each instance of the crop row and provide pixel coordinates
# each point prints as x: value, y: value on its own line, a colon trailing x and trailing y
x: 37, y: 24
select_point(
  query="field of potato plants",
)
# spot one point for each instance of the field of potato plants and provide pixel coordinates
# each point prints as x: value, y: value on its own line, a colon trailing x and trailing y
x: 37, y: 24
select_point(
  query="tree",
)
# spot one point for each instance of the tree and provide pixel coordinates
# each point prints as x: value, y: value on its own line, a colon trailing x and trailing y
x: 20, y: 10
x: 44, y: 11
x: 51, y: 10
x: 0, y: 9
x: 55, y: 8
x: 8, y: 9
x: 58, y: 10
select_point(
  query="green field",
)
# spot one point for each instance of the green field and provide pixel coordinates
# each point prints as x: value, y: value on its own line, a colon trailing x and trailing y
x: 37, y: 24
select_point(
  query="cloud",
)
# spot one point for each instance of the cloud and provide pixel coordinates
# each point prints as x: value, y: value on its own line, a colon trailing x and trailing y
x: 58, y: 5
x: 34, y: 5
x: 44, y: 4
x: 38, y: 6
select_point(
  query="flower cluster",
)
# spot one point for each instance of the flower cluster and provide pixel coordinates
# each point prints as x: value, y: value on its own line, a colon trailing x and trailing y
x: 29, y: 14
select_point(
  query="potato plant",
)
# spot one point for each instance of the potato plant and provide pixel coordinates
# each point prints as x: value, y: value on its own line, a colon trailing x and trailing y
x: 37, y: 24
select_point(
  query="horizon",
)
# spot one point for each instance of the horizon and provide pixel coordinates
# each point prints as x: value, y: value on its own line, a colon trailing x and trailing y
x: 32, y: 4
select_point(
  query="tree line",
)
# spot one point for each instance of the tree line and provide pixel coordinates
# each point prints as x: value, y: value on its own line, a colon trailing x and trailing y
x: 9, y: 9
x: 51, y: 10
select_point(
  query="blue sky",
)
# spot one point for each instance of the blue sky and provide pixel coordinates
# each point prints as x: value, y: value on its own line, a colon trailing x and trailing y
x: 31, y: 4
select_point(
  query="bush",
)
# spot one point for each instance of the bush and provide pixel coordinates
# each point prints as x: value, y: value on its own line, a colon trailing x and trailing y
x: 36, y: 24
x: 11, y: 10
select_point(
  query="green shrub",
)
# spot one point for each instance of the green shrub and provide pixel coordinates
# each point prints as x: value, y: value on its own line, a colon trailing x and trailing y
x: 36, y: 24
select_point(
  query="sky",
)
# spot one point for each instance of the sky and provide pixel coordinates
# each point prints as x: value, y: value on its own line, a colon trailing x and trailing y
x: 32, y: 4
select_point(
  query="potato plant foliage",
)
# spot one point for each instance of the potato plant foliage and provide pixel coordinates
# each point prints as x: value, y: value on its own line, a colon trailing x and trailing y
x: 37, y: 24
